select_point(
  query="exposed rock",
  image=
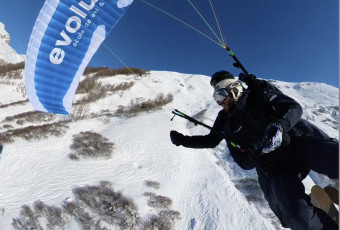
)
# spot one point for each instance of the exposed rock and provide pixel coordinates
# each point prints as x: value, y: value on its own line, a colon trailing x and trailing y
x: 7, y: 53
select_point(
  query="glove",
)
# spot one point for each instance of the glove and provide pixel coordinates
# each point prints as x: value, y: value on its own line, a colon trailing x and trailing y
x: 272, y: 138
x: 246, y: 78
x: 176, y: 138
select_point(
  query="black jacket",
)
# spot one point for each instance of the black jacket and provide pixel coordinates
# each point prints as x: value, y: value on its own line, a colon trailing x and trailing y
x: 260, y: 105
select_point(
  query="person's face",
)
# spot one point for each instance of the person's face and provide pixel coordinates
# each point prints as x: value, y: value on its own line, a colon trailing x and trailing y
x: 227, y: 103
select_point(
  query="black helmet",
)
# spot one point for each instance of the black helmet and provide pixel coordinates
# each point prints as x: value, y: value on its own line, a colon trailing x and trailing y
x: 219, y: 76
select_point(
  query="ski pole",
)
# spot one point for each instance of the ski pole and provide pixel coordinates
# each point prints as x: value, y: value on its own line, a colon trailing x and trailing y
x: 191, y: 119
x: 238, y: 64
x: 196, y: 122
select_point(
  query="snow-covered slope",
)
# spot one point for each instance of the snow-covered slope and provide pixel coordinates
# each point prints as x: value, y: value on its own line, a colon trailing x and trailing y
x: 7, y: 53
x: 205, y: 186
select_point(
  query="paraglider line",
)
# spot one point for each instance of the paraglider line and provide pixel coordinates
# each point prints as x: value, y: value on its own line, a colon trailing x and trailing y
x: 200, y: 32
x: 218, y: 23
x: 205, y: 21
x: 116, y: 56
x: 169, y: 108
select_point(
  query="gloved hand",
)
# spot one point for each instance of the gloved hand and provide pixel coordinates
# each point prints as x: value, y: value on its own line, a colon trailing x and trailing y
x: 246, y: 79
x: 272, y: 138
x: 176, y: 138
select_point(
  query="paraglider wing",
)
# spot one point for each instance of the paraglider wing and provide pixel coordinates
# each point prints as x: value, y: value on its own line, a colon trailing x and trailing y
x: 65, y: 36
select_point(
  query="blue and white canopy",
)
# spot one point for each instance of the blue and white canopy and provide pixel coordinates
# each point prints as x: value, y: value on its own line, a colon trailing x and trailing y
x: 65, y: 36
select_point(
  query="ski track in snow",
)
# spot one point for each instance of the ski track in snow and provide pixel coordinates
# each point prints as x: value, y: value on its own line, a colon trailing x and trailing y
x: 200, y: 182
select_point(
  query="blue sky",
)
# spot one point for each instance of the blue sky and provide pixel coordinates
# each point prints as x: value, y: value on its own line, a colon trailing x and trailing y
x: 286, y: 40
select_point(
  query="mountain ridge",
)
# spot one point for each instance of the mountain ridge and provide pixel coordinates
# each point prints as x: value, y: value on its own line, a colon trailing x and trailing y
x: 7, y: 53
x: 205, y: 186
x: 54, y: 177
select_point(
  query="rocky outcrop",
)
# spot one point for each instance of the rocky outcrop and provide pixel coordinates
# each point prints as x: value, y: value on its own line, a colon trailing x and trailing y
x: 7, y: 53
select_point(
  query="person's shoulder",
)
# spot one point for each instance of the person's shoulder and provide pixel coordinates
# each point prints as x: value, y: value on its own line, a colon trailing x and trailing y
x: 221, y: 118
x: 222, y: 115
x: 222, y: 112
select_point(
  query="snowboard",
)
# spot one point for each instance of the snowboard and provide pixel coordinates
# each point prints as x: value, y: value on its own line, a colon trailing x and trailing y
x: 321, y: 199
x: 333, y: 193
x: 1, y: 147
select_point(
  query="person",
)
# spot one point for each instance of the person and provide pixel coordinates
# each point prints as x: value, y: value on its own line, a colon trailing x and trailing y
x: 263, y: 129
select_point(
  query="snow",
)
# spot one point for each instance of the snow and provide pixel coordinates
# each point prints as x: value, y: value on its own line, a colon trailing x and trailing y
x: 202, y: 183
x: 7, y: 53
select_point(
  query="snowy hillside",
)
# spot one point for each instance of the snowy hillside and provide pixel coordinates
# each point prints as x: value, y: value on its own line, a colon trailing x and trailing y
x: 7, y: 53
x: 159, y: 184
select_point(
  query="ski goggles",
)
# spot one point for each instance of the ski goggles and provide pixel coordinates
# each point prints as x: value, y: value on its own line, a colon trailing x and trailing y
x: 220, y: 95
x: 234, y: 89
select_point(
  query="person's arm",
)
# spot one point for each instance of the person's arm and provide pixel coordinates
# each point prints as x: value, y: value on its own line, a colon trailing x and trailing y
x: 288, y: 110
x: 210, y: 140
x: 288, y: 113
x: 254, y: 83
x: 199, y: 141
